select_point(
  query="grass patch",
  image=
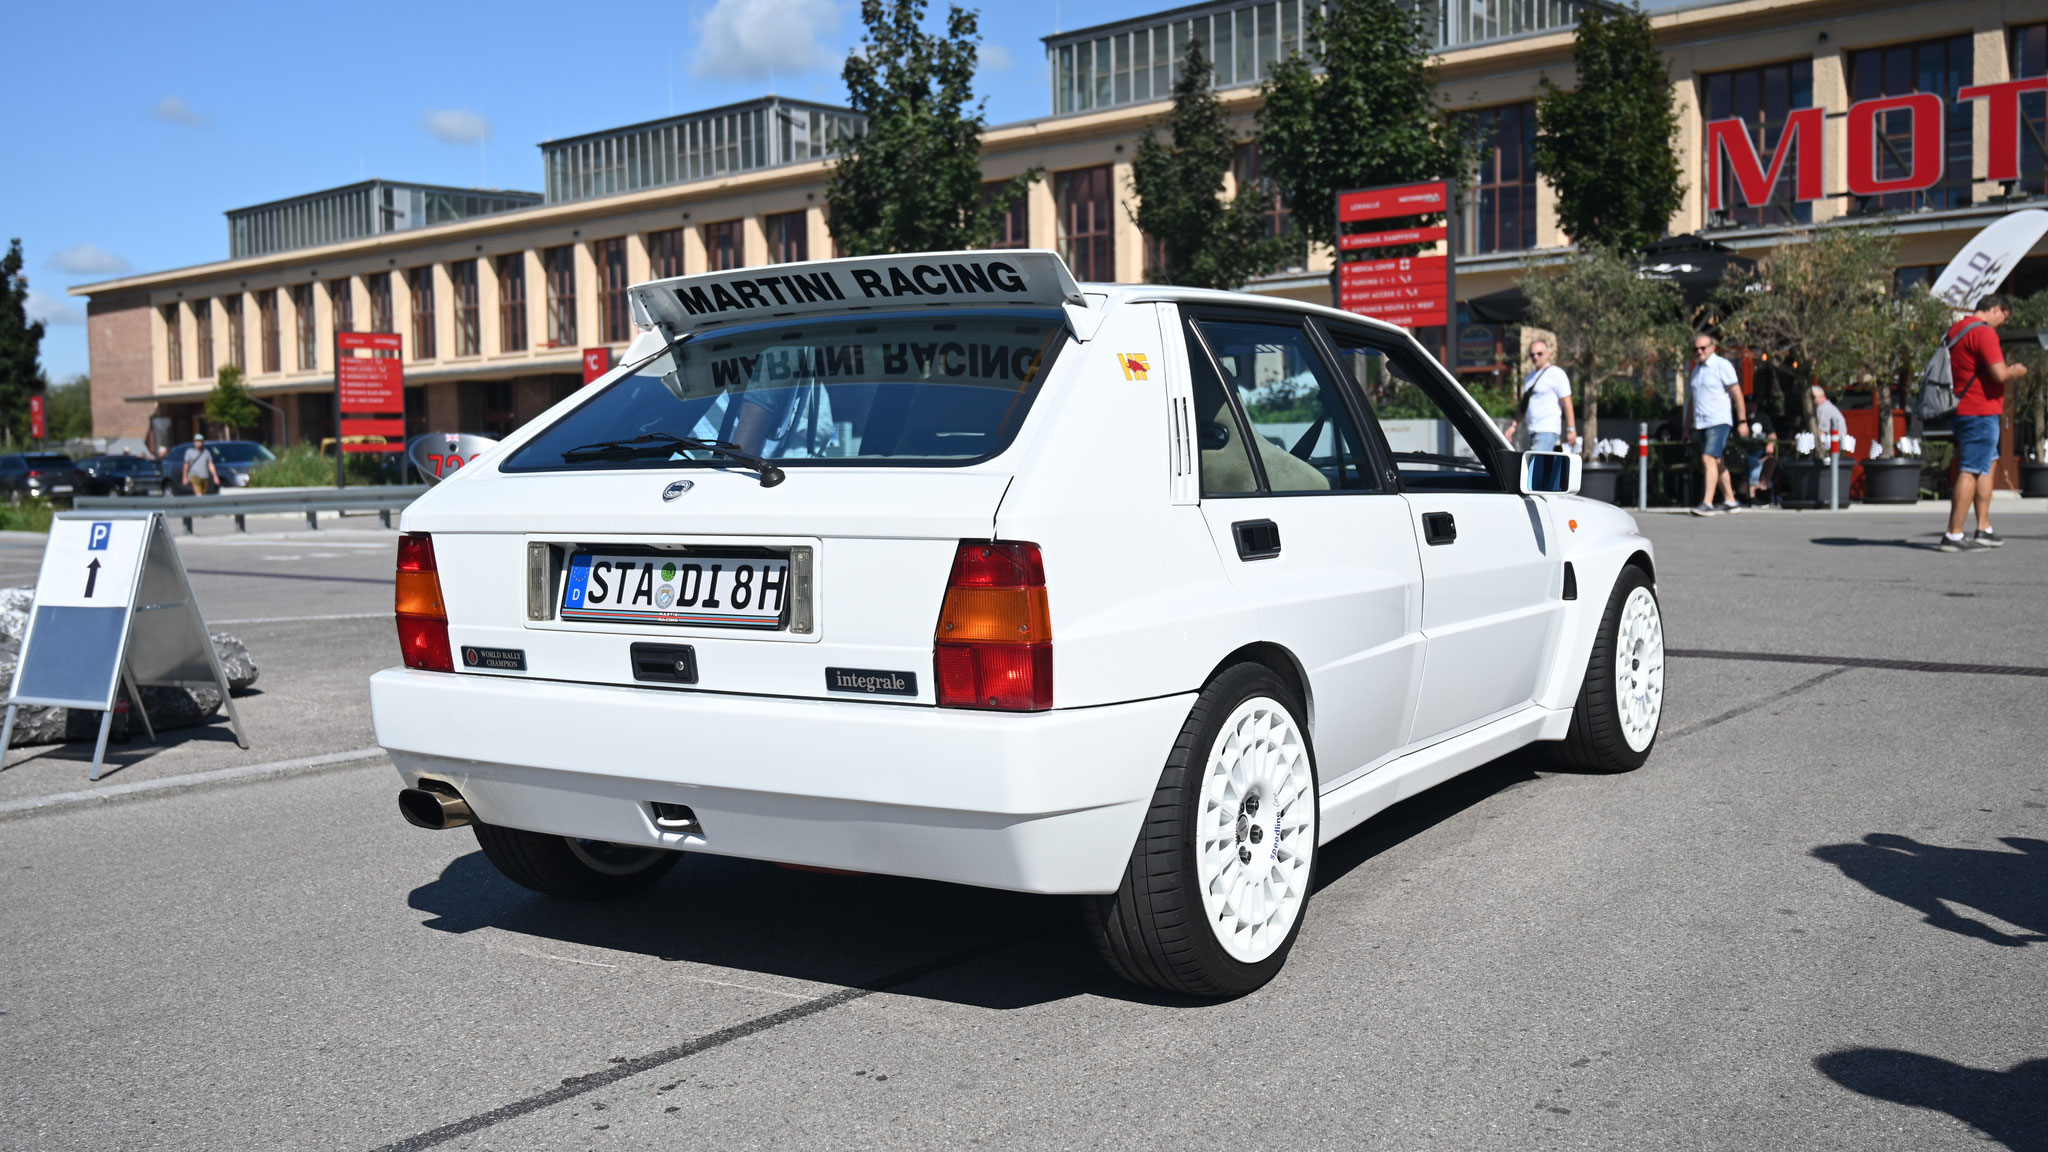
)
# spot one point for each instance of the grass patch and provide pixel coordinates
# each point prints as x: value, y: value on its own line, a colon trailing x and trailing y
x: 27, y: 516
x: 303, y: 466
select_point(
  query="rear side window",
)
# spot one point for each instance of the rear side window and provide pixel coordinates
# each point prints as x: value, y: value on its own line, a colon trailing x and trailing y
x: 927, y: 388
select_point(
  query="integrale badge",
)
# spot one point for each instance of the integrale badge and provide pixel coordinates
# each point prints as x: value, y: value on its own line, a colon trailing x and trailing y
x: 870, y: 682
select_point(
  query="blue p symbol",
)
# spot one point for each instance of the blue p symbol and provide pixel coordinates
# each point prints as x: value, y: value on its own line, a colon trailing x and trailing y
x: 102, y: 530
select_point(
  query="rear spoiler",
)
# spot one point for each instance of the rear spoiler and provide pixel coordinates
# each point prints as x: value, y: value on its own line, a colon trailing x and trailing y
x: 1005, y: 277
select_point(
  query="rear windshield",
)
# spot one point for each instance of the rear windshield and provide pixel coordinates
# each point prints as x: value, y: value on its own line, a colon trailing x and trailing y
x: 923, y: 388
x: 239, y: 452
x: 47, y: 460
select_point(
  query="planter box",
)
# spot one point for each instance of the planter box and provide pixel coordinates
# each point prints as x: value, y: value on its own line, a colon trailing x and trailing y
x: 1602, y: 482
x: 1804, y: 483
x: 1891, y: 481
x: 2033, y: 478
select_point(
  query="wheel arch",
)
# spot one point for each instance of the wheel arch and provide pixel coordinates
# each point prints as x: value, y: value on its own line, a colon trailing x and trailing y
x: 1282, y: 662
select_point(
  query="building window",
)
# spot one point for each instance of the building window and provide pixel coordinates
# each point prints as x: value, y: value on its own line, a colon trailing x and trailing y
x: 512, y: 302
x: 558, y: 265
x: 341, y: 296
x: 1086, y: 231
x: 614, y: 320
x: 1250, y: 171
x: 1014, y: 229
x: 1941, y: 67
x: 1501, y: 214
x: 1762, y: 98
x: 665, y: 253
x: 174, y: 344
x: 788, y: 237
x: 419, y: 283
x: 305, y: 326
x: 202, y: 328
x: 268, y: 335
x: 237, y: 348
x: 469, y: 339
x: 722, y: 246
x: 2030, y: 59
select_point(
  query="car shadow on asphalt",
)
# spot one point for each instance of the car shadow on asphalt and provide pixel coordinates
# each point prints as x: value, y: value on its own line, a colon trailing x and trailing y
x: 2010, y: 1107
x: 2009, y: 886
x: 851, y: 930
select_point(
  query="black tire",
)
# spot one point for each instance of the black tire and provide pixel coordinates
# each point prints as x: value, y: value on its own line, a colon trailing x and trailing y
x: 573, y: 869
x: 1596, y: 741
x: 1154, y: 930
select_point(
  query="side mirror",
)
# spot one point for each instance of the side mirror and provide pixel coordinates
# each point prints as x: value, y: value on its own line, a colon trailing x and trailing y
x: 1551, y: 473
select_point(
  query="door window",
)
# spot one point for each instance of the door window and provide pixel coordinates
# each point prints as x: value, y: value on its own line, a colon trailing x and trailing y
x: 1438, y: 442
x: 1287, y: 407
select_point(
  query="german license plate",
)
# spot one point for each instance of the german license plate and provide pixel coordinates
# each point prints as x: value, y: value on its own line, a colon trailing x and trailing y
x: 720, y: 591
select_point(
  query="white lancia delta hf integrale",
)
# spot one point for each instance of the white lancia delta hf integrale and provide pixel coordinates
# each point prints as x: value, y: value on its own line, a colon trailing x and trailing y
x: 946, y: 566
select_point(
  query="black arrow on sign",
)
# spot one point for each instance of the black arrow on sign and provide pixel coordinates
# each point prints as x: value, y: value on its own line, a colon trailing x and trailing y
x: 92, y: 576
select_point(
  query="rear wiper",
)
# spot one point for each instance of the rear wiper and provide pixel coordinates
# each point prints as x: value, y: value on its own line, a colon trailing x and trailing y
x: 653, y: 445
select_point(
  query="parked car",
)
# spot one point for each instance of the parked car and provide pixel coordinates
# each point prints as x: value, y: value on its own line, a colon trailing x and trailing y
x: 38, y: 475
x: 233, y: 459
x: 120, y: 475
x: 939, y: 566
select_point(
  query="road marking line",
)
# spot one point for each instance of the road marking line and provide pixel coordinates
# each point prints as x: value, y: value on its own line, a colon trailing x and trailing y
x: 60, y: 801
x: 1732, y: 713
x: 1859, y: 662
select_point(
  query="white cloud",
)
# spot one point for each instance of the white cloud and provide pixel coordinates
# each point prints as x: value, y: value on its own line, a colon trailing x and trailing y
x: 53, y: 310
x: 996, y: 58
x: 173, y: 110
x: 763, y: 39
x: 456, y: 126
x: 87, y: 259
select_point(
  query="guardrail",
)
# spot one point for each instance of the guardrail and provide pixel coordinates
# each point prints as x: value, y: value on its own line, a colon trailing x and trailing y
x: 383, y: 499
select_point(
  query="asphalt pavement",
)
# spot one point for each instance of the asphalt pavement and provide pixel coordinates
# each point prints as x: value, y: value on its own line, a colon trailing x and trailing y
x: 1817, y: 918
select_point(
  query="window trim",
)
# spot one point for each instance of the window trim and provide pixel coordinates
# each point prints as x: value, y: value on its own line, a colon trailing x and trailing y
x: 1501, y: 459
x: 1376, y: 455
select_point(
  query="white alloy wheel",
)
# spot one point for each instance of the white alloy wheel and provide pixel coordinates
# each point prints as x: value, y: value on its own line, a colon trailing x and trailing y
x: 1639, y: 668
x: 1256, y: 831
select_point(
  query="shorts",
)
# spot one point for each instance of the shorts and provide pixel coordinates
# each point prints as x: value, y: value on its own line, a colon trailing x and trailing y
x: 1542, y: 441
x: 1976, y: 442
x: 201, y: 486
x: 1714, y: 439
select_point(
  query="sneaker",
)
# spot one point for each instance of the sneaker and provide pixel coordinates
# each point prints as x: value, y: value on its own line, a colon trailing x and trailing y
x: 1706, y: 510
x: 1730, y: 506
x: 1990, y: 539
x: 1966, y: 544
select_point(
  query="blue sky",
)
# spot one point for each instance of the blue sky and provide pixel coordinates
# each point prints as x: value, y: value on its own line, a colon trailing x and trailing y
x: 140, y: 124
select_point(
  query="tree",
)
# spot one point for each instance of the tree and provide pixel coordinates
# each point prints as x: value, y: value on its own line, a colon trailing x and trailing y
x: 1606, y: 146
x: 1608, y: 318
x: 912, y: 181
x: 2029, y: 394
x: 1209, y: 242
x: 69, y: 409
x: 21, y: 342
x: 229, y: 404
x: 1821, y: 307
x: 1371, y: 118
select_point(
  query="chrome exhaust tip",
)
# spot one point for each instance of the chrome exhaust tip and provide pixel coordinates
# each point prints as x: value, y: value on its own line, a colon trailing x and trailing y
x: 433, y: 810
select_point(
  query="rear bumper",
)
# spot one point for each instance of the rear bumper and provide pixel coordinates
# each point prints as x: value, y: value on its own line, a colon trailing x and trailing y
x: 1039, y: 802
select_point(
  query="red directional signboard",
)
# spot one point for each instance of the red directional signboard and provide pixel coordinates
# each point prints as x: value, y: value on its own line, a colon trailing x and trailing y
x: 369, y: 392
x: 1412, y: 291
x: 371, y: 385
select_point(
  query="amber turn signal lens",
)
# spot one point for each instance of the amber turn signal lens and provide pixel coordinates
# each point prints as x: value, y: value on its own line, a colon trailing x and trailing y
x: 419, y: 594
x: 995, y: 616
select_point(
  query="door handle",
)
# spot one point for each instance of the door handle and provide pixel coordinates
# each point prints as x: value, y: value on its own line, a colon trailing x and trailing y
x: 1256, y: 539
x: 1439, y: 528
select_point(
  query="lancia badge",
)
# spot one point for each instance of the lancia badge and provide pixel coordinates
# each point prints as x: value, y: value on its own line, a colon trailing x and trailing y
x: 677, y: 488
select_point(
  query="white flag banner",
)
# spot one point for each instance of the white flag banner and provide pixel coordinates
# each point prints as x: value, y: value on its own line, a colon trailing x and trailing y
x: 1982, y: 265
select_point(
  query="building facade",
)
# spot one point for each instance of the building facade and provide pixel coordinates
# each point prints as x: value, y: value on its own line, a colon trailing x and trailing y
x: 499, y: 295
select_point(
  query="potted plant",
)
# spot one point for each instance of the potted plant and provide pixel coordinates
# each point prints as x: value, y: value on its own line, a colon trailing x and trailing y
x: 1601, y: 479
x: 1892, y: 477
x: 1804, y: 479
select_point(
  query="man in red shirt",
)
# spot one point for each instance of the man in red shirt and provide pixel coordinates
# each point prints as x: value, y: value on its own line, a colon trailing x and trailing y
x: 1977, y: 365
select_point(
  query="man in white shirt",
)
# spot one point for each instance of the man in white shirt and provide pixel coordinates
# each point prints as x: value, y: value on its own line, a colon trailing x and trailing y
x: 1546, y: 403
x: 1715, y: 390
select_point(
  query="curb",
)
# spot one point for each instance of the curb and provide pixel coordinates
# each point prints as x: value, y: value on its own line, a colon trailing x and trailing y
x: 64, y: 801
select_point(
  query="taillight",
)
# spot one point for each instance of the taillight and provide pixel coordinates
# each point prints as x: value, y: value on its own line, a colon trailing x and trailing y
x: 422, y: 617
x: 993, y: 648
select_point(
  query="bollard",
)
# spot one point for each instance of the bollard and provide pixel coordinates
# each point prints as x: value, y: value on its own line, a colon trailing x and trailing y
x: 1834, y: 470
x: 312, y: 521
x: 1642, y: 467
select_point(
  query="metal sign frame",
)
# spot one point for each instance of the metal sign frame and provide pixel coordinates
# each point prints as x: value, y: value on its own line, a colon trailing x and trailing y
x: 161, y: 626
